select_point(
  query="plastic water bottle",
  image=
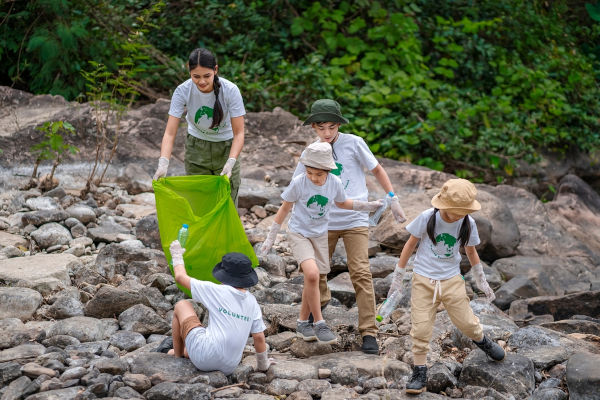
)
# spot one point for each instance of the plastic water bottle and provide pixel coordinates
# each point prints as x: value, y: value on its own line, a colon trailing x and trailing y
x: 183, y: 235
x: 374, y: 219
x: 388, y: 306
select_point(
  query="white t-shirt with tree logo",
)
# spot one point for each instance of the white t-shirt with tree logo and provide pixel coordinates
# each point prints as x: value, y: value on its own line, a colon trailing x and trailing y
x: 232, y: 316
x: 199, y: 107
x: 439, y: 260
x: 312, y: 204
x: 352, y: 156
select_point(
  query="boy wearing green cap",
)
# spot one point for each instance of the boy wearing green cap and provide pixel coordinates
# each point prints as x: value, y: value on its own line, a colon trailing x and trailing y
x: 352, y: 156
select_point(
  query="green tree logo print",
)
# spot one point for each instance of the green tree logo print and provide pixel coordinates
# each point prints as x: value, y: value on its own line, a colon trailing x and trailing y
x: 338, y: 170
x: 444, y: 245
x: 320, y: 201
x: 202, y: 111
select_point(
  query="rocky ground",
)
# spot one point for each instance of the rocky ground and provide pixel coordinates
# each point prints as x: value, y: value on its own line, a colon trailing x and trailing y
x: 86, y: 295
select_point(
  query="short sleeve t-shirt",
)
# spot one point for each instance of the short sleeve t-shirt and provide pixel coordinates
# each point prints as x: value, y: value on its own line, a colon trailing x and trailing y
x: 441, y: 260
x: 233, y: 316
x: 200, y: 105
x: 312, y: 204
x: 352, y: 156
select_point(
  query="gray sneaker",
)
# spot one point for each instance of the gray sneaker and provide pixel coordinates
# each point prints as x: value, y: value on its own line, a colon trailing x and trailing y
x: 305, y: 331
x: 324, y: 334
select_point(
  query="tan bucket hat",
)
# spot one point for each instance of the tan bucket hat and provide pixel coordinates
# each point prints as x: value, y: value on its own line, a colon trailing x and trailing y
x: 458, y: 197
x: 318, y: 155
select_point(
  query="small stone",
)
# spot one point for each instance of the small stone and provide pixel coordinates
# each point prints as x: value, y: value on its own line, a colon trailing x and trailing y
x: 324, y: 373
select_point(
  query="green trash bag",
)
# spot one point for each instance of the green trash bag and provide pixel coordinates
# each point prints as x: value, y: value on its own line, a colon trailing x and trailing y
x: 204, y: 203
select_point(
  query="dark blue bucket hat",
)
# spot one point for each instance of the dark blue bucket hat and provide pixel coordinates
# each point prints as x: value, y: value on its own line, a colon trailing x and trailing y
x: 235, y: 269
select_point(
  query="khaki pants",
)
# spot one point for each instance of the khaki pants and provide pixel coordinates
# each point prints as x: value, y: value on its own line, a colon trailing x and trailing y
x: 208, y: 158
x: 356, y: 241
x: 423, y: 311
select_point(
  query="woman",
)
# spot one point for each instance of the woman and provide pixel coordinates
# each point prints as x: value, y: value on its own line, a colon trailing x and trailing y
x: 215, y: 118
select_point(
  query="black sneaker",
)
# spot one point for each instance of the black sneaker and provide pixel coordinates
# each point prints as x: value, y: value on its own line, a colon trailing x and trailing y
x: 165, y: 345
x: 491, y: 349
x: 310, y: 316
x: 418, y: 380
x: 370, y: 345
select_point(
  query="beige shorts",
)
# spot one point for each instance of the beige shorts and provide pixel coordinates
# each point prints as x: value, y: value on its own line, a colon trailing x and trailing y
x: 304, y: 248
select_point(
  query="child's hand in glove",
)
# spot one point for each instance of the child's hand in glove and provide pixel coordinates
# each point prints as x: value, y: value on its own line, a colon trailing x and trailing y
x: 482, y: 283
x: 270, y: 240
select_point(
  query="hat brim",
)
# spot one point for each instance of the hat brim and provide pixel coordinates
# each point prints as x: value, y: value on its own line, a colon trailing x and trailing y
x: 314, y: 164
x: 325, y: 117
x: 464, y: 210
x: 243, y: 281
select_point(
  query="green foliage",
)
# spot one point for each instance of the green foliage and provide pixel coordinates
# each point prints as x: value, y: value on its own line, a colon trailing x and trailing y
x: 53, y: 147
x: 469, y: 88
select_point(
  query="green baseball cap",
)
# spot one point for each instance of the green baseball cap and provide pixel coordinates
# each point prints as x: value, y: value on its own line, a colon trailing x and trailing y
x: 325, y: 110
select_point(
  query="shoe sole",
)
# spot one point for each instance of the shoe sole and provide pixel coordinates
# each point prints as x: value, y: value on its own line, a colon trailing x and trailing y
x: 332, y: 341
x: 306, y: 338
x: 370, y: 351
x: 416, y: 391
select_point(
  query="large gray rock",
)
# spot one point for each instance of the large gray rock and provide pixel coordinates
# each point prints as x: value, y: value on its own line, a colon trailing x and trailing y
x: 254, y: 192
x: 45, y: 273
x: 8, y: 371
x: 282, y: 293
x: 127, y: 340
x: 551, y: 275
x: 51, y: 234
x: 110, y: 302
x: 286, y: 316
x: 115, y: 258
x: 539, y: 236
x: 505, y: 231
x: 85, y: 329
x: 560, y: 307
x: 66, y: 305
x: 180, y: 391
x: 273, y: 264
x: 366, y: 365
x: 41, y: 217
x: 136, y: 179
x: 82, y: 212
x: 58, y: 394
x: 142, y: 319
x: 17, y: 302
x: 576, y: 208
x: 382, y: 265
x: 108, y: 231
x: 15, y: 335
x: 518, y: 287
x: 22, y: 352
x: 42, y: 203
x: 583, y: 376
x: 574, y: 326
x: 174, y: 369
x: 146, y: 230
x: 342, y: 289
x: 514, y: 375
x: 545, y: 356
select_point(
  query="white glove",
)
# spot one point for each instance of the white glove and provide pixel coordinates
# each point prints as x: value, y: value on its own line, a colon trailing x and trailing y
x: 396, y: 281
x: 163, y: 166
x: 270, y: 240
x: 358, y: 205
x: 482, y: 282
x: 263, y: 362
x: 397, y: 210
x: 228, y: 167
x: 176, y: 252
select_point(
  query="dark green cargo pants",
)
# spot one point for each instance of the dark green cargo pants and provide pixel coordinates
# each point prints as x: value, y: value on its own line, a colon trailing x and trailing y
x: 208, y: 158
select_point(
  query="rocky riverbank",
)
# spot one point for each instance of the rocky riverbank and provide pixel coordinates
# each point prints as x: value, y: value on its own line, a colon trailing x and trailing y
x: 86, y: 294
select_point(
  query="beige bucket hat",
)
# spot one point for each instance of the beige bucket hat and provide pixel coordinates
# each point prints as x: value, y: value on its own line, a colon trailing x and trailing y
x: 318, y: 155
x: 458, y: 197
